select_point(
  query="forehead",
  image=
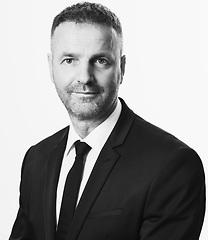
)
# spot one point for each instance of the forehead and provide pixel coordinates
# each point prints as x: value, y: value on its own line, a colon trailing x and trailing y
x: 72, y: 35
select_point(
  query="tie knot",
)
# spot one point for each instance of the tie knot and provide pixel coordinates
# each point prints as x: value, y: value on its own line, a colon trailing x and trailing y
x: 81, y: 148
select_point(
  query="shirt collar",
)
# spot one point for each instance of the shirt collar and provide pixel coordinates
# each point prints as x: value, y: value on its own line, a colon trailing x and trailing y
x: 72, y: 138
x: 97, y: 138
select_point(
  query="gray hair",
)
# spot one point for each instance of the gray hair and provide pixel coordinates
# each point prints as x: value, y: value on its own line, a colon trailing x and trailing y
x: 91, y: 13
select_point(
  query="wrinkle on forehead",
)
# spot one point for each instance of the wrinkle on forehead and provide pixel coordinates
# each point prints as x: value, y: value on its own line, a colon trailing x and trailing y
x: 81, y: 34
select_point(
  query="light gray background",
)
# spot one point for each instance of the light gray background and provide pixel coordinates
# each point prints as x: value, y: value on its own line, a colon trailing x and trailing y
x: 166, y: 44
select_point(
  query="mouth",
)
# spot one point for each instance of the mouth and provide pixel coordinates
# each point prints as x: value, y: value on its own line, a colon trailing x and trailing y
x: 85, y: 89
x: 86, y: 93
x: 89, y: 94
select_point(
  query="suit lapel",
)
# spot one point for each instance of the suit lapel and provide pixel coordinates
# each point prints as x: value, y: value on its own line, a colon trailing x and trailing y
x: 102, y: 169
x: 51, y: 181
x: 104, y: 165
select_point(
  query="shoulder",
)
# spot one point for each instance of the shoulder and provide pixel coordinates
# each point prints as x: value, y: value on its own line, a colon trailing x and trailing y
x: 153, y: 144
x: 52, y: 140
x: 42, y: 150
x: 161, y: 154
x: 165, y: 151
x: 146, y: 134
x: 37, y: 156
x: 152, y: 135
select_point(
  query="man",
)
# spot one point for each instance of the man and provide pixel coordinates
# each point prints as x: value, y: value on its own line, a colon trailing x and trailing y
x: 138, y: 181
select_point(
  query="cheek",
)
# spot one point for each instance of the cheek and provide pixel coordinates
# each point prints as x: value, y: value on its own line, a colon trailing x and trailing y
x: 62, y: 78
x: 108, y: 80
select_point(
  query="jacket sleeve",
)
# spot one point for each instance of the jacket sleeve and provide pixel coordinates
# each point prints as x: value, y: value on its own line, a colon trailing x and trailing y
x: 175, y: 204
x: 21, y: 229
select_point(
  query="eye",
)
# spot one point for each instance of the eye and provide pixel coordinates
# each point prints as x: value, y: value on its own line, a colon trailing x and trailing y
x: 70, y: 61
x: 102, y: 61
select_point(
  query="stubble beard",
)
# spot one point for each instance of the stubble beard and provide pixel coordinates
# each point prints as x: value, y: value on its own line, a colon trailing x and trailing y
x: 89, y: 108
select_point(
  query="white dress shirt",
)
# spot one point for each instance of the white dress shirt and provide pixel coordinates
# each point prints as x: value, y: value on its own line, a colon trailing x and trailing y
x: 96, y: 140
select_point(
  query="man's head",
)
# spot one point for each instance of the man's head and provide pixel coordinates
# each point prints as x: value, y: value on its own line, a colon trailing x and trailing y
x: 86, y: 64
x: 92, y: 13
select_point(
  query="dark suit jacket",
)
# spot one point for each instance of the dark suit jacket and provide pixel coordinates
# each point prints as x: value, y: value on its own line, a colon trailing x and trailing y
x: 145, y: 185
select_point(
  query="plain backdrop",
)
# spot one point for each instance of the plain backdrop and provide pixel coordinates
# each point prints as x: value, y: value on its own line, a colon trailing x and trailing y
x: 166, y: 45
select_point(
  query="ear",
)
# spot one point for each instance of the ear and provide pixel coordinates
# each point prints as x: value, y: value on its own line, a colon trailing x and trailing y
x: 122, y: 66
x: 50, y: 63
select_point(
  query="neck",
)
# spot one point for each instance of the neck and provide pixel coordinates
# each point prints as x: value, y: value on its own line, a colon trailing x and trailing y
x: 85, y: 127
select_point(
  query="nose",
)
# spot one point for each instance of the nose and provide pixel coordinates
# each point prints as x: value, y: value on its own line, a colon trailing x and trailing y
x: 85, y: 73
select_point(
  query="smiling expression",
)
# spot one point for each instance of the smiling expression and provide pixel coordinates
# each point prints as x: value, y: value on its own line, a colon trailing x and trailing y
x: 87, y: 69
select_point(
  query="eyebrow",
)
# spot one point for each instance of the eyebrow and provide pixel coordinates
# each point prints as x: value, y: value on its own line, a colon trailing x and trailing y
x: 65, y: 54
x: 94, y: 56
x: 100, y: 55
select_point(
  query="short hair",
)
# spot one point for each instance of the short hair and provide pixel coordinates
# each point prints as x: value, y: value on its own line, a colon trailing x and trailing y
x: 92, y: 13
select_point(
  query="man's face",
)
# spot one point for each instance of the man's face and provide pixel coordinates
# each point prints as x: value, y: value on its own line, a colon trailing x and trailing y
x: 87, y: 69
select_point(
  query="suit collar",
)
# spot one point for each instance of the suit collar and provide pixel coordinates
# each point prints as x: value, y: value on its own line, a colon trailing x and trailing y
x: 51, y: 181
x: 123, y: 125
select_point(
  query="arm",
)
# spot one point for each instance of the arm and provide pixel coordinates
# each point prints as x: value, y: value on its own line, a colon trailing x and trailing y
x: 175, y: 204
x: 21, y: 229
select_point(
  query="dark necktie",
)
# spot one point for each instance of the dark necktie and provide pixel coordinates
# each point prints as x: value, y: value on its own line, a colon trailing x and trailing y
x: 71, y: 190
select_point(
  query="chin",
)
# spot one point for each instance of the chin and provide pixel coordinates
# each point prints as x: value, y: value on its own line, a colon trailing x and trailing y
x: 87, y: 111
